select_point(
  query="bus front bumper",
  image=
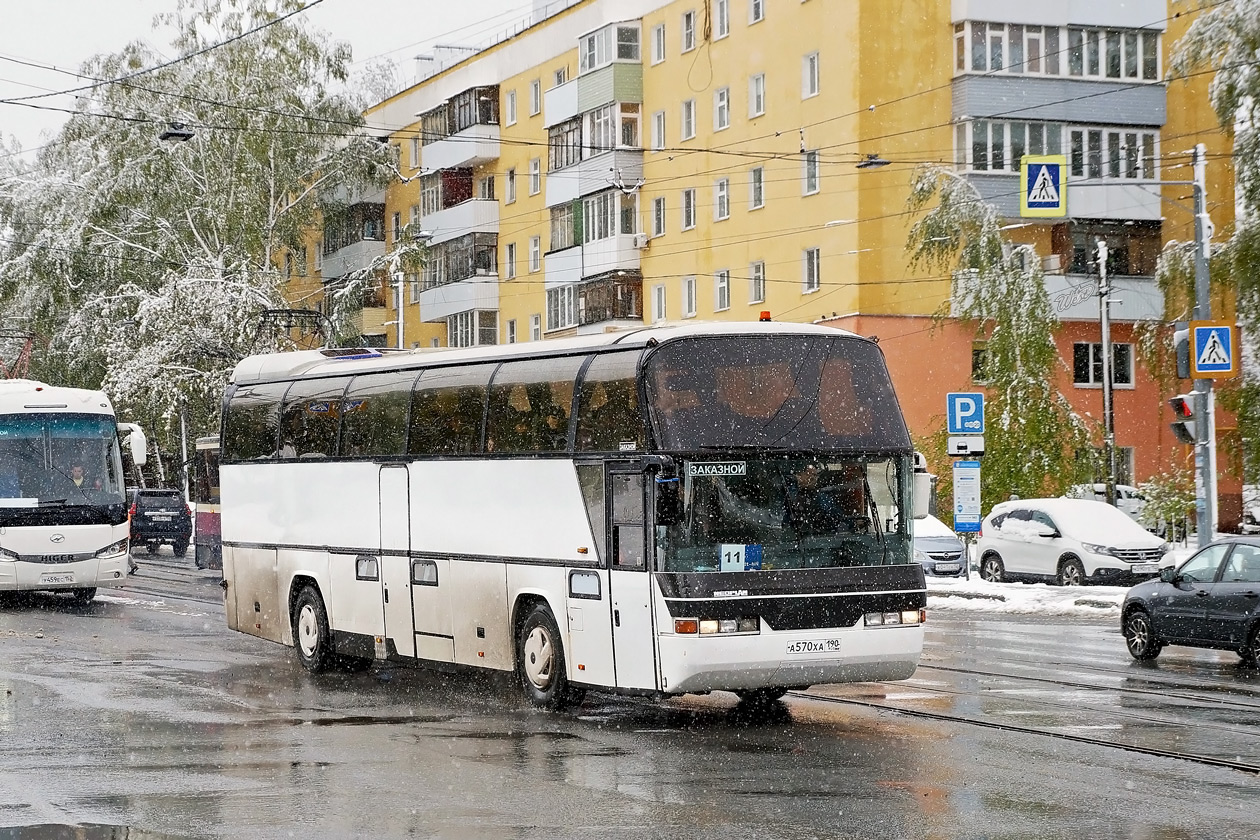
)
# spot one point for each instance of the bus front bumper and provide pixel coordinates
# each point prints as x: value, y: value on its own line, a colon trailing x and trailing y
x: 789, y: 659
x: 97, y: 572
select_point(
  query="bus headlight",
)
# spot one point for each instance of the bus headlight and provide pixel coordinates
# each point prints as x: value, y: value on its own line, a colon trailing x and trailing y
x: 119, y: 547
x: 9, y: 555
x: 894, y: 619
x: 715, y: 626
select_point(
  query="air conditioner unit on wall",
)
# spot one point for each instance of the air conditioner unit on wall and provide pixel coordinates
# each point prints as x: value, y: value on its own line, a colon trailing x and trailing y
x: 640, y: 240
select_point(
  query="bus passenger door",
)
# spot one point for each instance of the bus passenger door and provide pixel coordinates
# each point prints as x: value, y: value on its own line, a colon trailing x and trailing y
x: 630, y: 584
x: 395, y: 514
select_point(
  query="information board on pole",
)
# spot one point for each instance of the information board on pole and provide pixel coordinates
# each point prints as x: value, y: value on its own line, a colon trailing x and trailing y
x: 966, y: 496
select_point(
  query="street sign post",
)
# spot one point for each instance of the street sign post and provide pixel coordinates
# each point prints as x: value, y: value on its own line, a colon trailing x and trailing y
x: 964, y: 413
x: 1043, y: 186
x: 967, y: 496
x: 1214, y: 351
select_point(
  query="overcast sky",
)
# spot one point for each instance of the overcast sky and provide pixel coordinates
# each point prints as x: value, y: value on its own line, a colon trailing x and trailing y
x: 63, y: 33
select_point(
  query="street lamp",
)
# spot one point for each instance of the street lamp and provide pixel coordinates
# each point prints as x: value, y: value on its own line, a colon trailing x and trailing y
x: 422, y: 237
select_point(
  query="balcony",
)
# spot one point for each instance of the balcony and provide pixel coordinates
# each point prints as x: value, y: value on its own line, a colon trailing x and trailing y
x: 478, y: 292
x: 1087, y: 198
x: 473, y: 146
x: 609, y: 302
x: 560, y: 103
x: 1074, y: 297
x: 562, y: 268
x: 615, y: 252
x: 593, y: 174
x: 353, y: 257
x: 476, y: 215
x: 1059, y: 99
x: 1063, y: 13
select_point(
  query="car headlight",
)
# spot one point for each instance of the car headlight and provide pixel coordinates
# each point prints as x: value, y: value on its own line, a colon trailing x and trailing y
x: 1165, y: 548
x: 1099, y: 549
x: 921, y: 556
x: 119, y: 547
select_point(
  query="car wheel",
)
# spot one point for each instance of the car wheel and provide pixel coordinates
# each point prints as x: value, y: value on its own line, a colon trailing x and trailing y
x: 991, y: 568
x: 311, y: 637
x: 84, y: 596
x: 1139, y: 636
x: 1071, y: 573
x: 152, y: 548
x: 540, y: 662
x: 180, y: 548
x: 1250, y: 653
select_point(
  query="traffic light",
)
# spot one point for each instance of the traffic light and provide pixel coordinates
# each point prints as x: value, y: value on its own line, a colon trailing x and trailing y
x: 1183, y: 417
x: 1181, y: 348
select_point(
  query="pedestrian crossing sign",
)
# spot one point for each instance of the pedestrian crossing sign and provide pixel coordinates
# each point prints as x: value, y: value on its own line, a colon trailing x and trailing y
x: 1213, y: 350
x: 1042, y: 186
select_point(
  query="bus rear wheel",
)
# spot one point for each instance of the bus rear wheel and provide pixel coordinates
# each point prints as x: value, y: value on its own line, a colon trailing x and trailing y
x: 311, y: 637
x: 540, y: 662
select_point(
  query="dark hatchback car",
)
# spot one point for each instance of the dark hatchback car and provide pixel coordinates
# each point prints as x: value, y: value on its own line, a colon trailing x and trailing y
x: 1210, y: 601
x: 160, y: 516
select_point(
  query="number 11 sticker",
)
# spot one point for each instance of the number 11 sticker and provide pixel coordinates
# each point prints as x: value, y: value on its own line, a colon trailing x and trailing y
x: 740, y: 558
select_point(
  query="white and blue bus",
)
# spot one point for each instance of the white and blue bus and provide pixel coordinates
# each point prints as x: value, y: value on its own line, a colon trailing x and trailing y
x: 63, y: 504
x: 659, y: 511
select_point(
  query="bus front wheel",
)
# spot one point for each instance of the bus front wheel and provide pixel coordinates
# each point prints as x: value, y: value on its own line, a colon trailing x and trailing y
x: 311, y: 636
x: 540, y: 662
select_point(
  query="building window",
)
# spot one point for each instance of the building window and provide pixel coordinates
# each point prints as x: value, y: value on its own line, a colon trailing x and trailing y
x: 535, y: 176
x: 560, y: 77
x: 472, y: 328
x: 415, y: 152
x: 509, y: 108
x: 757, y: 95
x: 688, y: 31
x: 658, y: 302
x: 756, y: 10
x: 535, y: 253
x: 658, y: 43
x: 689, y: 119
x: 565, y: 225
x: 397, y: 220
x: 1038, y: 50
x: 413, y: 288
x: 658, y: 131
x: 722, y: 13
x: 510, y: 187
x: 1087, y: 367
x: 722, y: 199
x: 809, y: 76
x: 721, y: 109
x: 485, y: 188
x: 535, y: 328
x: 561, y: 307
x: 535, y: 97
x: 757, y: 282
x: 688, y: 209
x: 630, y: 125
x: 722, y: 290
x: 979, y: 361
x: 811, y: 184
x: 1132, y: 248
x: 601, y: 130
x: 1113, y: 153
x: 599, y: 216
x: 756, y: 188
x: 564, y: 144
x: 511, y: 331
x: 812, y: 280
x: 509, y: 257
x: 689, y: 297
x: 658, y: 216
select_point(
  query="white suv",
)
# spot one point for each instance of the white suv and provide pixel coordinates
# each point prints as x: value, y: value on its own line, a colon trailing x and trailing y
x: 1069, y: 542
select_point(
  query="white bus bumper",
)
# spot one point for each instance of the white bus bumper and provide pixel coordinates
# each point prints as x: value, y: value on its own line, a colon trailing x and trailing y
x: 98, y: 572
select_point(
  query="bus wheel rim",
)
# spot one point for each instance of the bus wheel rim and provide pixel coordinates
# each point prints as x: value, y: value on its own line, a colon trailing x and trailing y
x: 539, y: 654
x: 308, y: 632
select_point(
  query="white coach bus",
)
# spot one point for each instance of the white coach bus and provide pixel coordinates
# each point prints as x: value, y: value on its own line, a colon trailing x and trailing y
x: 63, y: 504
x: 658, y: 511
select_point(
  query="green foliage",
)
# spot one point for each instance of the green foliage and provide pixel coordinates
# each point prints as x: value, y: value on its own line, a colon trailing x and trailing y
x: 1170, y: 498
x: 1033, y: 439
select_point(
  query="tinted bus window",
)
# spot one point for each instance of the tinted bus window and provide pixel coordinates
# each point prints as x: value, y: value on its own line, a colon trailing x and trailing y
x: 779, y: 392
x: 253, y: 422
x: 609, y: 419
x: 447, y: 407
x: 374, y: 414
x: 530, y: 404
x: 309, y: 418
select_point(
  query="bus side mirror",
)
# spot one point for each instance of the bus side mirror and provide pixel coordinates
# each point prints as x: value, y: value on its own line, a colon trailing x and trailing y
x: 138, y: 443
x: 668, y: 501
x: 922, y: 492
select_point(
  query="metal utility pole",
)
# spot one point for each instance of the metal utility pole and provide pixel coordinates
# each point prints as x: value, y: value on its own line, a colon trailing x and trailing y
x: 398, y: 303
x: 1205, y: 428
x: 1109, y: 415
x: 183, y: 446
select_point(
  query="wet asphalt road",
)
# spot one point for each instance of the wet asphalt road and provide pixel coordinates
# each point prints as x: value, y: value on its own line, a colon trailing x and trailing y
x: 143, y: 716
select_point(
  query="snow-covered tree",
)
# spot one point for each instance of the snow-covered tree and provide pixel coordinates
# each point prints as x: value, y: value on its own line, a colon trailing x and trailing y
x: 1033, y: 439
x: 146, y: 263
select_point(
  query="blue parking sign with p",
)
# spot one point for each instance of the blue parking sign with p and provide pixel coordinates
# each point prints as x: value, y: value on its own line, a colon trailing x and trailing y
x: 964, y: 413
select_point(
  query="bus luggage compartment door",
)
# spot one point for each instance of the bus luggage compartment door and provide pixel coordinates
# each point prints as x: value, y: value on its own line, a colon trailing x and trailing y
x: 395, y: 511
x: 630, y: 584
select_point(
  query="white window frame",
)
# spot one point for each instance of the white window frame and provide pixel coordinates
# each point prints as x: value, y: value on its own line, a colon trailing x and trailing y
x: 511, y: 331
x: 562, y: 307
x: 811, y: 177
x: 535, y: 97
x: 756, y: 95
x: 1061, y: 51
x: 509, y: 186
x: 721, y: 109
x: 721, y: 199
x: 811, y: 270
x: 535, y: 254
x: 689, y: 297
x: 689, y: 208
x: 811, y: 81
x: 658, y: 216
x: 658, y: 131
x: 756, y: 11
x: 659, y: 301
x: 415, y: 152
x: 756, y: 188
x: 509, y: 108
x: 722, y: 290
x: 413, y: 288
x: 535, y: 327
x: 509, y: 257
x: 535, y: 176
x: 689, y: 31
x: 658, y: 43
x: 1095, y: 358
x: 721, y: 19
x: 687, y: 131
x: 757, y: 282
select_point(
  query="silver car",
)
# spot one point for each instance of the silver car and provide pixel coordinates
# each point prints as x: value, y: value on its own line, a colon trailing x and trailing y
x: 937, y: 548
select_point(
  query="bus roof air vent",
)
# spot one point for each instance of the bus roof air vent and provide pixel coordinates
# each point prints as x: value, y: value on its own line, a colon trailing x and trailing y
x: 347, y: 353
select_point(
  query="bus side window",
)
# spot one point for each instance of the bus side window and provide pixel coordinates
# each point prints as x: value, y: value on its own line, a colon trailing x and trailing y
x: 374, y: 414
x: 309, y: 418
x: 627, y: 512
x: 252, y: 422
x: 447, y: 408
x: 530, y: 404
x: 609, y: 418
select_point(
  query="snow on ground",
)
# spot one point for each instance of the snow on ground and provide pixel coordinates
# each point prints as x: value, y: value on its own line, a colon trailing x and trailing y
x: 975, y: 595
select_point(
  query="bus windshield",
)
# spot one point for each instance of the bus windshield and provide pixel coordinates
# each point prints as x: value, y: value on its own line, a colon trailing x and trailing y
x: 784, y: 392
x: 59, y: 460
x: 786, y: 513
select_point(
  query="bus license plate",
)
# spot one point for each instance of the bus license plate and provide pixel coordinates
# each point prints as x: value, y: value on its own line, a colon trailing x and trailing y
x: 67, y: 578
x: 814, y: 646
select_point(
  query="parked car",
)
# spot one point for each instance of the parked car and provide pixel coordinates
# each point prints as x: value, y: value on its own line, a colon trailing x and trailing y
x: 1069, y: 542
x: 938, y: 548
x: 1128, y: 499
x: 160, y: 516
x: 1211, y: 601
